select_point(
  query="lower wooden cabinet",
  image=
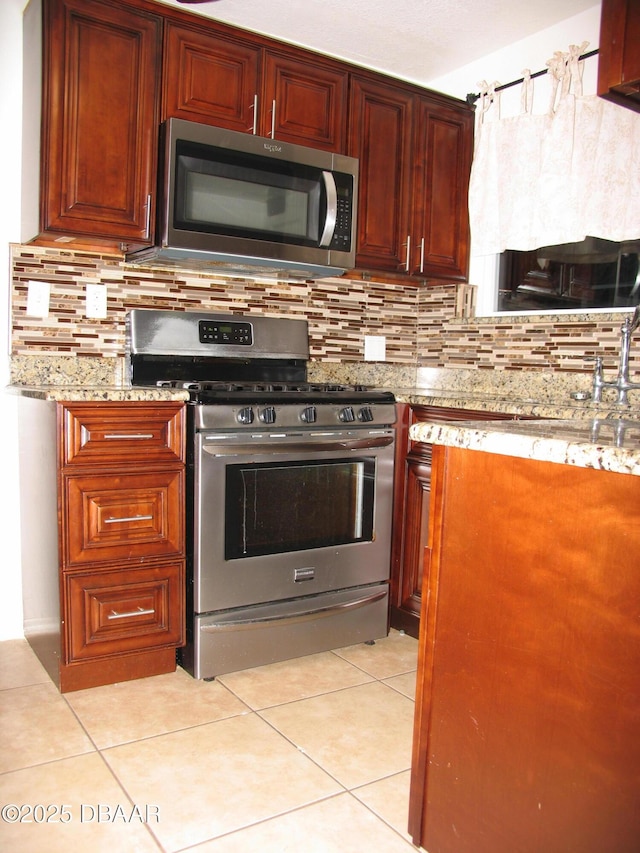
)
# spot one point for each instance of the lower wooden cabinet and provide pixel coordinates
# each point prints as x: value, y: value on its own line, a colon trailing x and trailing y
x: 528, y: 695
x: 112, y: 606
x: 111, y: 613
x: 412, y: 498
x: 124, y: 516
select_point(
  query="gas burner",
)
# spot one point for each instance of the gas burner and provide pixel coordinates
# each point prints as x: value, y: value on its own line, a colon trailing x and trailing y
x: 221, y: 391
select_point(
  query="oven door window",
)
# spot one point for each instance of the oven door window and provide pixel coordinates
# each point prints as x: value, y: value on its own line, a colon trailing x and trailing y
x: 291, y: 506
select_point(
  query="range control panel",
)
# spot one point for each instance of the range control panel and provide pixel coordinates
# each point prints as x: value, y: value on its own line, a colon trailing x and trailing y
x: 238, y: 333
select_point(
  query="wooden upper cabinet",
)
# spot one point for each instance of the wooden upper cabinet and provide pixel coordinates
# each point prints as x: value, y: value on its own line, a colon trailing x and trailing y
x: 380, y: 137
x: 619, y: 53
x: 114, y: 69
x: 214, y: 78
x: 209, y: 78
x: 305, y: 103
x: 443, y: 152
x: 100, y: 116
x: 415, y: 159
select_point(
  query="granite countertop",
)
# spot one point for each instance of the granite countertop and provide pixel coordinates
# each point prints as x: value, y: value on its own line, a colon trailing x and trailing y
x: 99, y: 393
x: 603, y: 444
x: 523, y: 406
x: 531, y: 393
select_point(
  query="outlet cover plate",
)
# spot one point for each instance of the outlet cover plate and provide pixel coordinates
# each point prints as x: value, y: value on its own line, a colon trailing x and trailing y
x: 96, y: 298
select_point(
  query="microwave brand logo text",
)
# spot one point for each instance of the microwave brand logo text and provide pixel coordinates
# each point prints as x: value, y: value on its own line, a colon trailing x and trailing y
x: 273, y: 148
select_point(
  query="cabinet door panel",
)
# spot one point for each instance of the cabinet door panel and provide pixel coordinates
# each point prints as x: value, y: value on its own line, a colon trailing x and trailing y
x: 380, y: 136
x: 100, y: 119
x: 112, y: 433
x: 443, y: 163
x: 124, y: 516
x: 417, y: 521
x: 116, y: 612
x: 210, y: 79
x: 310, y: 103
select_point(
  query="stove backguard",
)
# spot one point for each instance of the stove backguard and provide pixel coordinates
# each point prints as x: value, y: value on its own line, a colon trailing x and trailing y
x: 195, y: 346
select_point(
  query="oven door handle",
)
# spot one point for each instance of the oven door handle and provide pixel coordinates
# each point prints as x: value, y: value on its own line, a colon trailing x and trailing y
x: 302, y: 616
x: 276, y: 446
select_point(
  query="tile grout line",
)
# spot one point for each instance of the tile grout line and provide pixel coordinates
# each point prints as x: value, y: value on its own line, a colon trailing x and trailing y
x: 258, y: 714
x: 110, y: 770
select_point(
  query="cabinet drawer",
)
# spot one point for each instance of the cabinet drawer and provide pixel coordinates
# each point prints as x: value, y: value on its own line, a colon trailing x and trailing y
x: 127, y: 516
x: 122, y: 433
x: 116, y: 612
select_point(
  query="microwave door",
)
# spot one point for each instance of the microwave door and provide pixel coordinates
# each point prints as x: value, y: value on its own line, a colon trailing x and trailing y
x: 331, y: 195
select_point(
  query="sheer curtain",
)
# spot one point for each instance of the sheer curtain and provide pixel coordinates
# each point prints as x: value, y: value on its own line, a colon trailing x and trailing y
x: 556, y: 177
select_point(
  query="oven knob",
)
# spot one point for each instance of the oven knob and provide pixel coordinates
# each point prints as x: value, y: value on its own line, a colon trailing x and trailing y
x: 268, y: 415
x: 245, y: 415
x: 347, y: 415
x: 309, y: 415
x: 365, y: 414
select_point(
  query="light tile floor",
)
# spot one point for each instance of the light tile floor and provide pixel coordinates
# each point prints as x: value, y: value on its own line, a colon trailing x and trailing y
x: 311, y: 754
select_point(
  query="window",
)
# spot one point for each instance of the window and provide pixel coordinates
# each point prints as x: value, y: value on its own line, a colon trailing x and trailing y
x: 587, y: 276
x: 591, y: 274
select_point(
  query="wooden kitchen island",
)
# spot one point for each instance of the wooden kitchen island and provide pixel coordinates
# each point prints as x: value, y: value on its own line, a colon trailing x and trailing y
x: 527, y: 726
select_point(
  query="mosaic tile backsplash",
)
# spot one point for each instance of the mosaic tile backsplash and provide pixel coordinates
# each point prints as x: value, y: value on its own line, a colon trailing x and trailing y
x: 421, y: 324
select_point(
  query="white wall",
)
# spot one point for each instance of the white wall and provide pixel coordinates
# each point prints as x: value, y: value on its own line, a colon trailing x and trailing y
x: 10, y: 146
x: 532, y: 53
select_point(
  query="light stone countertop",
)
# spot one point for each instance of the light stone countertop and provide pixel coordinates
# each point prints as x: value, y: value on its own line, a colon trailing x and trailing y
x: 512, y: 405
x: 99, y: 393
x: 532, y: 393
x: 606, y: 445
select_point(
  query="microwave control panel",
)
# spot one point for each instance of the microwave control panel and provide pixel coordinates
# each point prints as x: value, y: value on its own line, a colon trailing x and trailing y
x: 341, y: 240
x: 237, y: 333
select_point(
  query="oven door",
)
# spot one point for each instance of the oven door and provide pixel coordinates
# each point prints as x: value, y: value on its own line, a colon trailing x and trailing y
x: 279, y: 516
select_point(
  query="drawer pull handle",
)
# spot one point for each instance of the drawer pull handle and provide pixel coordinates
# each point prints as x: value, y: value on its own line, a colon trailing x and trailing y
x: 139, y: 435
x: 139, y: 612
x: 129, y: 518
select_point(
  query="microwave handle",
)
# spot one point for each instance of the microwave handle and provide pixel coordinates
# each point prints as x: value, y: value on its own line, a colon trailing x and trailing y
x: 332, y: 209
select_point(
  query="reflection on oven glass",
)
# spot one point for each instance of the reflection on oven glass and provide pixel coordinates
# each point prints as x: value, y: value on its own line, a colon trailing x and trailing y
x: 277, y: 507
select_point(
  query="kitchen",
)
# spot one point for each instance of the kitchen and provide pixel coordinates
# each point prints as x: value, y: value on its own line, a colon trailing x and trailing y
x: 342, y: 308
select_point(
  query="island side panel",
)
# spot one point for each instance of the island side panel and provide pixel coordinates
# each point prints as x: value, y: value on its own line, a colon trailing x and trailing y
x: 529, y: 730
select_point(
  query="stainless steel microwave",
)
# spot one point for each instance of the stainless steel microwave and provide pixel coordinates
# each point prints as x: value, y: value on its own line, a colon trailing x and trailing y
x: 234, y: 202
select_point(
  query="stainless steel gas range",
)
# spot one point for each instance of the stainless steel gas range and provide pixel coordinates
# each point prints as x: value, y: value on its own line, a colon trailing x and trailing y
x: 289, y: 497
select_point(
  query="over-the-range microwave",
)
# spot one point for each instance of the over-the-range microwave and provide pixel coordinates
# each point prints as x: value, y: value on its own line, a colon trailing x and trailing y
x: 234, y: 202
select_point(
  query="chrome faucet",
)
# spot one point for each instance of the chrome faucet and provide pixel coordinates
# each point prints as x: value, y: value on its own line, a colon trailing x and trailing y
x: 621, y: 382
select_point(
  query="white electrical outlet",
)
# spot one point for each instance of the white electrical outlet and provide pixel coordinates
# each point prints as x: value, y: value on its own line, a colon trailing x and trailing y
x: 96, y: 299
x: 38, y: 293
x: 375, y: 348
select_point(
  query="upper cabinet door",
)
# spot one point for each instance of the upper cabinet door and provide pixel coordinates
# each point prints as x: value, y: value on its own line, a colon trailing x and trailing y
x: 304, y: 103
x: 100, y: 117
x: 619, y: 53
x: 380, y: 136
x: 210, y: 78
x: 216, y: 79
x: 443, y: 152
